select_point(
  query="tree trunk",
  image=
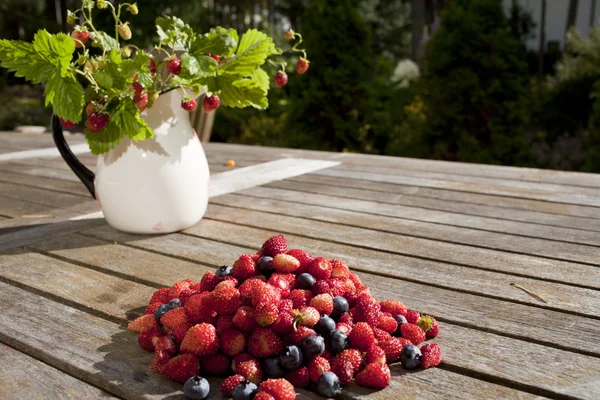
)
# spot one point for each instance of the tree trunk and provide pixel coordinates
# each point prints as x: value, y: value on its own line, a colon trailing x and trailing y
x: 418, y: 25
x: 571, y: 15
x: 542, y: 44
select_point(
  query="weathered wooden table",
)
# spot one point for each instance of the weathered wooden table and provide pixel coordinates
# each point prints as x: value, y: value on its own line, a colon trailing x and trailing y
x: 448, y: 239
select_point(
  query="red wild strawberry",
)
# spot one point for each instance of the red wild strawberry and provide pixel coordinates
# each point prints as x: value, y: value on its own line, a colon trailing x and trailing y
x: 413, y: 333
x: 225, y: 298
x: 201, y: 340
x: 375, y: 354
x: 174, y: 66
x: 244, y: 267
x: 281, y: 79
x: 230, y: 383
x: 344, y: 327
x: 216, y: 57
x: 300, y: 297
x: 240, y: 358
x: 381, y: 334
x: 215, y: 364
x: 141, y: 323
x: 246, y: 289
x: 321, y: 287
x: 250, y: 370
x: 393, y: 307
x: 317, y: 367
x: 392, y: 347
x: 301, y: 256
x: 188, y: 104
x: 298, y: 377
x: 412, y: 317
x: 263, y: 396
x: 368, y: 310
x: 97, y: 121
x: 307, y: 316
x: 244, y: 319
x: 209, y: 281
x: 327, y: 355
x: 339, y: 269
x: 264, y: 342
x: 211, y: 103
x: 266, y: 314
x: 181, y: 368
x: 177, y: 288
x: 152, y: 66
x: 354, y: 278
x: 346, y: 319
x: 302, y: 66
x: 280, y: 389
x: 186, y: 294
x: 160, y: 296
x: 198, y: 308
x: 323, y: 303
x: 387, y: 323
x: 280, y: 282
x: 375, y: 375
x: 344, y: 371
x: 351, y: 355
x: 263, y: 293
x: 151, y: 309
x: 160, y: 359
x: 224, y: 323
x: 431, y: 355
x: 80, y: 38
x: 230, y: 279
x: 285, y: 264
x: 233, y: 342
x: 361, y: 336
x: 176, y: 323
x: 274, y: 245
x: 149, y: 336
x: 67, y: 124
x: 320, y: 268
x: 301, y: 333
x: 338, y: 286
x: 284, y: 325
x: 137, y: 88
x: 141, y: 101
x: 429, y: 325
x: 286, y: 306
x: 165, y: 343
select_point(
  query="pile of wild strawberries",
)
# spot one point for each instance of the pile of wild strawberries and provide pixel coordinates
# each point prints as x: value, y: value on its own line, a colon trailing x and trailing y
x: 281, y: 319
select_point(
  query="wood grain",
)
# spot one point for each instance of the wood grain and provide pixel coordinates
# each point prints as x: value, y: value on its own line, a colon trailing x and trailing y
x: 24, y: 377
x: 16, y: 208
x: 110, y: 358
x: 516, y: 264
x: 51, y: 199
x: 346, y: 189
x: 9, y: 175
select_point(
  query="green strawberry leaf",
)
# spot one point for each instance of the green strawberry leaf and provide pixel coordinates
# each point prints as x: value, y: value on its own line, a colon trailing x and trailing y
x: 194, y: 68
x: 66, y: 96
x: 104, y: 41
x: 129, y: 121
x: 219, y: 41
x: 174, y: 33
x: 252, y: 52
x: 240, y: 92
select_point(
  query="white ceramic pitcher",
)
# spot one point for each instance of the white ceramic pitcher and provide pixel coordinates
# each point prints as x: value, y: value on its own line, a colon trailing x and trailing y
x: 158, y: 185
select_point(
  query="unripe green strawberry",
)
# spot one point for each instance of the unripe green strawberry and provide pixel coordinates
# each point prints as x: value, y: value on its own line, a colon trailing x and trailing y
x: 124, y: 31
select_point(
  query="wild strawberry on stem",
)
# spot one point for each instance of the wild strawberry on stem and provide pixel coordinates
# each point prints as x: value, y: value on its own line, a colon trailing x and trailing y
x: 281, y: 79
x: 188, y: 104
x: 211, y: 103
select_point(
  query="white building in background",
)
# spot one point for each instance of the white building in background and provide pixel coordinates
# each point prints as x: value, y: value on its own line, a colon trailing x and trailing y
x: 556, y: 18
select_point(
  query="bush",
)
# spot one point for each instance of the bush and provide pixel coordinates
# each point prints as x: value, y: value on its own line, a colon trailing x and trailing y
x: 475, y: 89
x: 23, y: 105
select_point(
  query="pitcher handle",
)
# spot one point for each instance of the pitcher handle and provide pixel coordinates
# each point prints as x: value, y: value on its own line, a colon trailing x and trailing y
x: 83, y: 173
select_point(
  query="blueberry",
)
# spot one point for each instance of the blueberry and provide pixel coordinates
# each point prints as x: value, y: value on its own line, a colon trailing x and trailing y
x: 305, y: 281
x: 290, y: 357
x: 313, y: 346
x: 223, y: 271
x: 325, y: 326
x: 161, y: 310
x: 400, y: 319
x: 338, y: 341
x: 340, y: 306
x: 410, y: 356
x: 272, y: 368
x: 196, y: 388
x: 174, y: 303
x: 329, y: 385
x: 244, y: 391
x: 264, y: 265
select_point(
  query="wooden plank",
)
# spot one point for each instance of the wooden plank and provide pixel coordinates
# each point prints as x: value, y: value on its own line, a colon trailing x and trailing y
x: 363, y: 190
x: 111, y: 359
x: 42, y: 152
x: 507, y: 318
x: 53, y: 173
x: 515, y: 264
x: 498, y: 315
x: 59, y: 185
x: 540, y: 191
x: 24, y: 377
x: 562, y: 297
x: 401, y: 163
x: 478, y: 231
x: 51, y: 199
x: 14, y: 208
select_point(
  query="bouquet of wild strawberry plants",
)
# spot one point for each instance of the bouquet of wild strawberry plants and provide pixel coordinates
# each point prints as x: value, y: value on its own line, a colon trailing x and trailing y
x: 97, y: 76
